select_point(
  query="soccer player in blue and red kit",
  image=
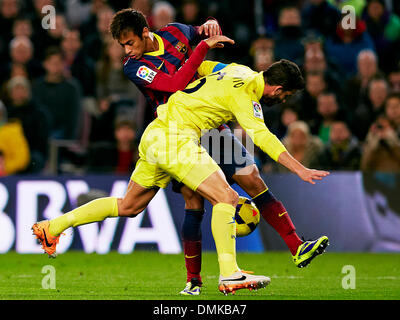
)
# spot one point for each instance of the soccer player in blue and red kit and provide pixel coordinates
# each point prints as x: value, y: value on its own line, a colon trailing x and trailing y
x: 163, y: 62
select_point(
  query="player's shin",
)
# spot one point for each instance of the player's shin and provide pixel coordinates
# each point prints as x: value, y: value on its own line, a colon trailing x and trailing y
x: 224, y: 233
x: 191, y: 240
x: 93, y: 211
x: 275, y: 214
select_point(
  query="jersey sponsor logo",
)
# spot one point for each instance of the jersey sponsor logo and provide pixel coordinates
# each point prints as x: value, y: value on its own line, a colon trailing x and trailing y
x: 257, y: 110
x: 146, y: 74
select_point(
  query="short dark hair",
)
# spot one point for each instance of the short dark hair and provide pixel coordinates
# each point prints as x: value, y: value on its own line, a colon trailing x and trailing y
x: 52, y: 51
x: 328, y: 92
x: 393, y: 95
x: 127, y: 20
x: 284, y: 73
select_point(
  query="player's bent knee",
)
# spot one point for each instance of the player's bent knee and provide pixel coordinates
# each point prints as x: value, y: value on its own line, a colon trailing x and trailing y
x: 250, y: 180
x: 231, y: 197
x: 225, y: 195
x: 256, y: 180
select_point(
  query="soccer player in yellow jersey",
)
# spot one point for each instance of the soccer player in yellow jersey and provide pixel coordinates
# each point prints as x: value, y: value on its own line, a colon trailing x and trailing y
x: 170, y: 148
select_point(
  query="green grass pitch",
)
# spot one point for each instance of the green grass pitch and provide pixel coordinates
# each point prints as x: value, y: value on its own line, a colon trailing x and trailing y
x: 147, y: 275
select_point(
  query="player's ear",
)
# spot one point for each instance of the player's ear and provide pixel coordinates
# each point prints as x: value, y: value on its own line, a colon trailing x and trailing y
x: 277, y: 90
x: 145, y: 33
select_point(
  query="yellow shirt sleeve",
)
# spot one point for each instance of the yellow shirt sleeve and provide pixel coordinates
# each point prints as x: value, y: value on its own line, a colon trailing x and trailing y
x: 249, y: 115
x: 206, y: 67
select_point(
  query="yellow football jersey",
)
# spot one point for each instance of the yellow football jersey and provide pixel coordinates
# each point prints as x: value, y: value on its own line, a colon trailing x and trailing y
x: 230, y: 94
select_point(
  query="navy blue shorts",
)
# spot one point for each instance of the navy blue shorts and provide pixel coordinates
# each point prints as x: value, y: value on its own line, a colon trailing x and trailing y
x: 227, y: 151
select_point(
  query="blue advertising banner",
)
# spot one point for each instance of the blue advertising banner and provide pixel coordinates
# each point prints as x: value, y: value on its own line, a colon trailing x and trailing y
x: 356, y: 212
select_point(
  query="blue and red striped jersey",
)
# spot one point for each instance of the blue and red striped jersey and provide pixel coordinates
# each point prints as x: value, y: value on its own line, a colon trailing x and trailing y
x: 152, y: 72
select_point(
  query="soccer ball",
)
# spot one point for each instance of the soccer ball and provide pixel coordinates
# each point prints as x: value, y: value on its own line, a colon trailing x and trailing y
x: 247, y: 217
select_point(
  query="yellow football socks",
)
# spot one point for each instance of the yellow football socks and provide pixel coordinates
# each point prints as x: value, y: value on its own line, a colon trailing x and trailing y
x: 93, y: 211
x: 224, y: 232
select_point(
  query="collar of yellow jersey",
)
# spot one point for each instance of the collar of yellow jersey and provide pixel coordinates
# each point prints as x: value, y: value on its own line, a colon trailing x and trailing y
x: 260, y: 85
x: 160, y: 50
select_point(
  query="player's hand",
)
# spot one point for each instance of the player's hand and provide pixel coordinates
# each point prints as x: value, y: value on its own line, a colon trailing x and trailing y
x: 210, y: 28
x: 309, y: 175
x: 218, y: 41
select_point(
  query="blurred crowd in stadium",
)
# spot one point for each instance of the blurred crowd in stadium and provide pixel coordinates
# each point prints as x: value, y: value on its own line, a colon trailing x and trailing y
x: 66, y: 106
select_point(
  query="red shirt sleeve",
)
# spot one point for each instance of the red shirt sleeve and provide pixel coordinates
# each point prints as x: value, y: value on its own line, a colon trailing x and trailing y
x: 179, y: 80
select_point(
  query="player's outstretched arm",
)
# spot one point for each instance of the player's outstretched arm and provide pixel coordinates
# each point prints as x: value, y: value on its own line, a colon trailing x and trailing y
x: 179, y: 80
x: 306, y: 174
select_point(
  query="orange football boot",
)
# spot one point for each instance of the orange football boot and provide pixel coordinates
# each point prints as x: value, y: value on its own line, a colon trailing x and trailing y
x: 42, y: 233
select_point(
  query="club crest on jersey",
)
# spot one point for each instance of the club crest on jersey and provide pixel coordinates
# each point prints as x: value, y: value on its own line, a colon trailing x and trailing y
x: 257, y: 110
x: 146, y: 74
x: 181, y: 47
